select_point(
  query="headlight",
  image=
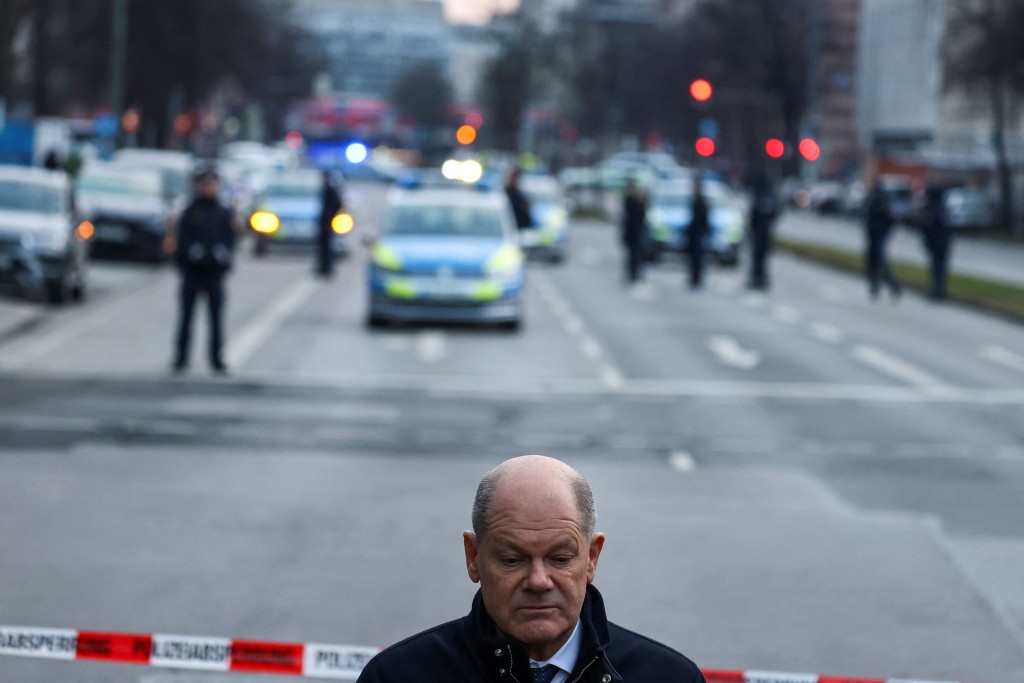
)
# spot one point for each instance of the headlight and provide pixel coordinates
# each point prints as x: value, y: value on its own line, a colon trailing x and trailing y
x: 387, y: 258
x: 264, y: 222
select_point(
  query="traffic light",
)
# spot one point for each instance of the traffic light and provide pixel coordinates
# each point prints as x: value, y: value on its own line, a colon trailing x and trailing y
x: 809, y: 149
x: 465, y: 135
x: 775, y: 148
x: 701, y: 90
x: 705, y: 147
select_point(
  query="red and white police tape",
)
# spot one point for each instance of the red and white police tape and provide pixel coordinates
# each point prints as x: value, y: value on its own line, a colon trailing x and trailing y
x: 189, y: 652
x: 256, y: 656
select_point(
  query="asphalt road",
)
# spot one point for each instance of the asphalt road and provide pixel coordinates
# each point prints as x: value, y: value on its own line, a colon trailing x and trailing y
x: 797, y: 481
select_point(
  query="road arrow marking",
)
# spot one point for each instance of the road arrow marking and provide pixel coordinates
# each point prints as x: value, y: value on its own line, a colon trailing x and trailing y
x: 729, y: 352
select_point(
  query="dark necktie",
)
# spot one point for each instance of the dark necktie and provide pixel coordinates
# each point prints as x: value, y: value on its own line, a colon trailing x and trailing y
x: 544, y: 674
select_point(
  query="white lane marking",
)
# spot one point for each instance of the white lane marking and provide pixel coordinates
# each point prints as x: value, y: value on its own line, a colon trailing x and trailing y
x: 611, y: 378
x: 729, y: 352
x: 431, y: 346
x: 591, y: 349
x: 572, y: 324
x: 899, y: 369
x: 681, y: 461
x: 260, y: 327
x: 76, y: 329
x: 787, y: 314
x: 1003, y: 356
x: 826, y: 333
x: 442, y: 385
x: 197, y: 406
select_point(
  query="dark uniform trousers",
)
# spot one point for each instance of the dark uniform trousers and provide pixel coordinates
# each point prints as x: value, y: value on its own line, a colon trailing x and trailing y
x: 209, y: 283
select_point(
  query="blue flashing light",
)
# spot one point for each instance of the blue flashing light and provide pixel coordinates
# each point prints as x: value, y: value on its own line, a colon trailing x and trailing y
x: 356, y: 153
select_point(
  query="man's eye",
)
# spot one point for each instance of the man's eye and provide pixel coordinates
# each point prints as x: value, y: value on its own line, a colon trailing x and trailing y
x: 563, y: 560
x: 510, y: 561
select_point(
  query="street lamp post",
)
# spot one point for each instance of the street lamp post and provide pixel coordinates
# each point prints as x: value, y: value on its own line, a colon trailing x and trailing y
x: 118, y: 53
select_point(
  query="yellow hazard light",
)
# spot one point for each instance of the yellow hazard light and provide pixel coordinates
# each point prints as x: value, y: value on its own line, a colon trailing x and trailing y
x: 84, y: 231
x: 342, y: 224
x: 264, y: 222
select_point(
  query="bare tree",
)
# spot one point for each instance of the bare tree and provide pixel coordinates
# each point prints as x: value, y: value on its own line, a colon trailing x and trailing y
x: 984, y: 54
x: 423, y: 93
x: 178, y: 53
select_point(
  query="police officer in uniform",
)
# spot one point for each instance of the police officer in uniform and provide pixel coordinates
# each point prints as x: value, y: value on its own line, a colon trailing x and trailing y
x: 205, y: 247
x: 696, y: 233
x: 330, y: 204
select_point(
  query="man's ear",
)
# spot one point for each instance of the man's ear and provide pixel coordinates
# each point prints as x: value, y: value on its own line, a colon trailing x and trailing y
x: 472, y: 552
x: 596, y: 544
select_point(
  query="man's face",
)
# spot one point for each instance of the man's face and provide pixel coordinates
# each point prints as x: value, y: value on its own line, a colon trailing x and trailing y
x: 208, y: 188
x: 533, y: 566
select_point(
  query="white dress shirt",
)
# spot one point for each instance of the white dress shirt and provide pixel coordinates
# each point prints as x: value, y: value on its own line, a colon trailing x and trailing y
x: 565, y: 658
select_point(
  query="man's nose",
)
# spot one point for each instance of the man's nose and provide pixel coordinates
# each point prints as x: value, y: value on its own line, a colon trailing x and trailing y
x: 539, y: 578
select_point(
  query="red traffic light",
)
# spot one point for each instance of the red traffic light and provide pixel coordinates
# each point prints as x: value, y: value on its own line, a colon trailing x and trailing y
x: 474, y: 119
x: 809, y: 149
x: 701, y: 90
x: 705, y: 147
x: 775, y: 148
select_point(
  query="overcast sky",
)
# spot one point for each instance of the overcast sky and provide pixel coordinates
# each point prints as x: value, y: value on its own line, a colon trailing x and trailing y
x: 475, y: 11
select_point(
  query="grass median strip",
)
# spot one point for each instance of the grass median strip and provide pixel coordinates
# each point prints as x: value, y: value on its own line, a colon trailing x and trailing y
x: 991, y: 295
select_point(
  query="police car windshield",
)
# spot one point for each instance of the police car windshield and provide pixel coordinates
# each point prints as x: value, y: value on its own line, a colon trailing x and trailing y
x: 15, y: 196
x: 444, y: 220
x: 130, y: 183
x: 292, y: 189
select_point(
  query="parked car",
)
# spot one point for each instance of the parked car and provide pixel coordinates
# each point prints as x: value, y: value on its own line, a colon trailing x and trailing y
x: 448, y: 255
x: 968, y: 209
x: 287, y: 213
x: 669, y: 213
x: 176, y: 168
x: 827, y: 196
x: 129, y: 208
x: 42, y: 242
x: 548, y: 237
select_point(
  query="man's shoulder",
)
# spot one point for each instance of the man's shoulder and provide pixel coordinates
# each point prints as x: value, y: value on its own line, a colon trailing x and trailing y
x: 422, y: 651
x: 630, y: 652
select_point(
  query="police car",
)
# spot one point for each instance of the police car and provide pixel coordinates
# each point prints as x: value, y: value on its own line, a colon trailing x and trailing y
x: 287, y: 213
x: 446, y: 254
x: 669, y: 213
x: 548, y: 237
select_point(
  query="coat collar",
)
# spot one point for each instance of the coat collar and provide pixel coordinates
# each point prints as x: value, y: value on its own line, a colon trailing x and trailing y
x: 504, y: 659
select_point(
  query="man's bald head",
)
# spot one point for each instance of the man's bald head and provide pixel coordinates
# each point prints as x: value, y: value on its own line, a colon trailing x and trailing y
x: 534, y: 473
